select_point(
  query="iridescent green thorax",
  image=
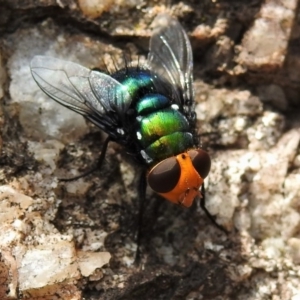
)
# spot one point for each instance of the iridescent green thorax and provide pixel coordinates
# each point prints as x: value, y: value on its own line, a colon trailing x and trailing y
x: 137, y: 82
x: 160, y: 127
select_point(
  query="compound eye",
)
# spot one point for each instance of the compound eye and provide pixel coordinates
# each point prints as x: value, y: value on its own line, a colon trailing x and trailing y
x: 164, y: 176
x: 201, y: 161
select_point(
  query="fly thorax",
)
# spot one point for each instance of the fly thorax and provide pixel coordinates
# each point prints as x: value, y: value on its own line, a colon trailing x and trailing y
x: 137, y: 82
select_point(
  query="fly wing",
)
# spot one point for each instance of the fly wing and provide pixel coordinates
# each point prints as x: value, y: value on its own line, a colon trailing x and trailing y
x: 171, y: 57
x: 96, y: 96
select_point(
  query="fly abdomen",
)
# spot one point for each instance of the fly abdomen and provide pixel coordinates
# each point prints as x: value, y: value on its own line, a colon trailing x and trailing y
x: 151, y: 103
x: 161, y: 123
x: 163, y: 133
x: 167, y: 146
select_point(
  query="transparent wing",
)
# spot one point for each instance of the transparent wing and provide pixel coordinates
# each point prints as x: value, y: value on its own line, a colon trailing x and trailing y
x: 171, y: 57
x: 95, y: 95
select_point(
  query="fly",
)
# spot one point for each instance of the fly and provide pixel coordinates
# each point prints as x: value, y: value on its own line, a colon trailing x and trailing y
x: 148, y: 109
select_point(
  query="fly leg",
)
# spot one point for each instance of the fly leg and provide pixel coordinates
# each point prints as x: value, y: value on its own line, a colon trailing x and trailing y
x: 212, y: 219
x: 96, y: 167
x: 142, y: 197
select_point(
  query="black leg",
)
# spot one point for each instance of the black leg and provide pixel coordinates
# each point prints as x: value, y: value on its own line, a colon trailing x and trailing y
x: 142, y: 197
x: 212, y: 219
x: 96, y: 167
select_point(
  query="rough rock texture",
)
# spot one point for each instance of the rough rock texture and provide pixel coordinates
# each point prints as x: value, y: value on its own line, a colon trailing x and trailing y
x: 75, y: 240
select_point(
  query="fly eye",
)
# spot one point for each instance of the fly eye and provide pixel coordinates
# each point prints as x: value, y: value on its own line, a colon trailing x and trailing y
x: 201, y: 161
x: 164, y: 176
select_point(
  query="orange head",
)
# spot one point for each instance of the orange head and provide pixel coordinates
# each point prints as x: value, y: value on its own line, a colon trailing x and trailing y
x: 179, y: 178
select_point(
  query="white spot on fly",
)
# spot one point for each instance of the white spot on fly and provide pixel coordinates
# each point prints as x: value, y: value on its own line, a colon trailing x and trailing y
x: 138, y: 135
x: 146, y: 157
x: 175, y: 106
x: 139, y: 118
x: 120, y: 131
